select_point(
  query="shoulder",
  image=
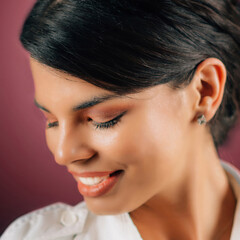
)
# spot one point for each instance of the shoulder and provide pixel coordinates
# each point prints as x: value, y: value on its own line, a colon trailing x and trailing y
x: 51, y: 222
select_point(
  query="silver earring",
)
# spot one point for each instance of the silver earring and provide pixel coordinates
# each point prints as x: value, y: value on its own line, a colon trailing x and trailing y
x: 201, y: 120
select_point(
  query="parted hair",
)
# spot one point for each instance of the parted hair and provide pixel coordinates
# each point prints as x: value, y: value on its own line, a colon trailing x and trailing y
x: 126, y: 46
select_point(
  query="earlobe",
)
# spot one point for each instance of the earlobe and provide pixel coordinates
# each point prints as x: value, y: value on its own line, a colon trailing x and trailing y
x: 211, y: 78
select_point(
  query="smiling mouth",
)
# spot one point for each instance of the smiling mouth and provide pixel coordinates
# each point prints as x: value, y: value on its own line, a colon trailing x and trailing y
x: 90, y: 181
x: 96, y: 186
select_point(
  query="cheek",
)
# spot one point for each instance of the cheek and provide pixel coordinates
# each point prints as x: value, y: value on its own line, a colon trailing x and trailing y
x: 104, y: 139
x: 148, y: 145
x: 151, y: 148
x: 154, y: 134
x: 121, y: 143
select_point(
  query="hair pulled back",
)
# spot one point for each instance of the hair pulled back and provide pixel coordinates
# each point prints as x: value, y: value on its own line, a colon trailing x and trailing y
x: 128, y: 45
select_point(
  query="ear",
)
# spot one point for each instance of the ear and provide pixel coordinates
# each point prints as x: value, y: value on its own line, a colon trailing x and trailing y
x: 209, y: 83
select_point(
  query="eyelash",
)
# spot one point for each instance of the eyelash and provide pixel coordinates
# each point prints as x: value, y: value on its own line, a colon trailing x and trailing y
x: 110, y: 123
x: 103, y: 125
x: 52, y: 124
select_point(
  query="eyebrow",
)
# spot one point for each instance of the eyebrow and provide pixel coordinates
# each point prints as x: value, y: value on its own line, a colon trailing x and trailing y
x: 87, y: 104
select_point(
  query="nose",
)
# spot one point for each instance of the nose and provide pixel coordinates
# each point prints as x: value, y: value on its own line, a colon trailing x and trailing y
x: 72, y: 145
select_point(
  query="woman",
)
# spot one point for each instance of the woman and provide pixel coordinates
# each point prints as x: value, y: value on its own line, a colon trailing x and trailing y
x: 138, y: 95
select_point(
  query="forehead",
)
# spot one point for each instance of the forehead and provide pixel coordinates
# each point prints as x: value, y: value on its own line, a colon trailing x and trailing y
x: 60, y: 91
x: 50, y: 83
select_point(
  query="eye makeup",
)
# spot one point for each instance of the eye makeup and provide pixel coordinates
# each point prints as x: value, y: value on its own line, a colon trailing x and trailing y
x: 100, y: 117
x: 110, y: 123
x: 100, y: 125
x: 49, y: 120
x: 52, y: 124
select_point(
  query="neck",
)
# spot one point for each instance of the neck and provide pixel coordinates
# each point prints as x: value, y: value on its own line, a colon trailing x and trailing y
x: 199, y: 204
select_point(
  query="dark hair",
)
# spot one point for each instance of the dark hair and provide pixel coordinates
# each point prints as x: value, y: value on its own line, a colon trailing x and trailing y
x: 128, y: 45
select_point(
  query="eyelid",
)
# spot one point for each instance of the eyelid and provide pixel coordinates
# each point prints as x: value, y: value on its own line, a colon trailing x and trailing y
x: 104, y: 112
x: 50, y: 121
x: 111, y: 118
x: 109, y: 123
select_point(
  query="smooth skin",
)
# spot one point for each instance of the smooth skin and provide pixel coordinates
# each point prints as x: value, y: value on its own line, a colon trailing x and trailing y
x: 173, y: 185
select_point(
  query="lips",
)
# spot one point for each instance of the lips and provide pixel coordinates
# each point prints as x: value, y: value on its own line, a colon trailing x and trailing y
x: 95, y: 184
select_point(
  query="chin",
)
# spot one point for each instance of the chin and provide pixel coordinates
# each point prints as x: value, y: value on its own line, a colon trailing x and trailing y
x: 100, y: 207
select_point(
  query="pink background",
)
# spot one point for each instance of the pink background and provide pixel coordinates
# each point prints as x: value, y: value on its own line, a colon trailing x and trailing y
x: 29, y: 177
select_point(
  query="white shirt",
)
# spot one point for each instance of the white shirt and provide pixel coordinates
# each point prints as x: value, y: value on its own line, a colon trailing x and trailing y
x: 60, y: 221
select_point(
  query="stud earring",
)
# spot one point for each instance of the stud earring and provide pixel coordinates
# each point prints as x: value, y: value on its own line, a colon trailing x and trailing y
x: 201, y: 120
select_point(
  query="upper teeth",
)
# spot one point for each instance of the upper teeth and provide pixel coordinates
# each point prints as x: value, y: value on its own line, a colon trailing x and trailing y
x: 92, y: 180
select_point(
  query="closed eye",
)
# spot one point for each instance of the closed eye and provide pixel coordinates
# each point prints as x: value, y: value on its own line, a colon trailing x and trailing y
x: 108, y: 124
x: 103, y: 125
x: 52, y: 124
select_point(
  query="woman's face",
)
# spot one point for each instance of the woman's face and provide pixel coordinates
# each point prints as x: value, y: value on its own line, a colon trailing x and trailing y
x: 94, y: 133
